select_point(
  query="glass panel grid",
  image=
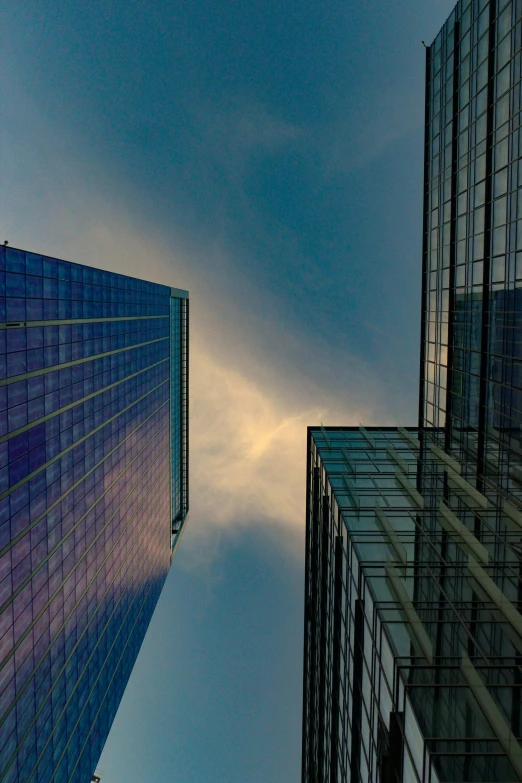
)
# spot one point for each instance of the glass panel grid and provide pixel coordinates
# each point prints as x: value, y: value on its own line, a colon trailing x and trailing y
x: 89, y: 383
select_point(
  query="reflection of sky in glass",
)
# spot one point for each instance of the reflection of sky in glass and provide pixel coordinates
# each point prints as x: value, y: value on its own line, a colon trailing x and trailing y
x: 84, y: 501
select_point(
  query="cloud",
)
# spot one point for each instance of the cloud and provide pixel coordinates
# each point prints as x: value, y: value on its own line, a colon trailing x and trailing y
x: 248, y: 450
x: 257, y: 377
x: 248, y: 418
x: 248, y: 454
x: 247, y: 126
x: 249, y: 406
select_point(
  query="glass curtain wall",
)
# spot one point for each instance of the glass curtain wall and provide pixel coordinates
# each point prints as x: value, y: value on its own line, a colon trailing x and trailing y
x: 470, y: 403
x: 404, y: 623
x: 87, y: 442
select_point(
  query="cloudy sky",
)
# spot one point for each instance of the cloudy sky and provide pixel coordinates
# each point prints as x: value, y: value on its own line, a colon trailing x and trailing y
x: 267, y: 156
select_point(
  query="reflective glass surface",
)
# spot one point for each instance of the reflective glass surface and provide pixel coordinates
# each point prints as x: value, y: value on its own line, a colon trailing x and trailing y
x: 473, y: 233
x: 361, y: 520
x: 404, y: 631
x: 471, y: 404
x: 89, y: 434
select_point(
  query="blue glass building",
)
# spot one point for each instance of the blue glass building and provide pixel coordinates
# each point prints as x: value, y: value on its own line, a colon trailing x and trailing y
x: 93, y: 498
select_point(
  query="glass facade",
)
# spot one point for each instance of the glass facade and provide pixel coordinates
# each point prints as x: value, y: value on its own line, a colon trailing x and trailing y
x: 358, y: 718
x: 413, y: 633
x: 471, y: 388
x: 93, y: 497
x: 413, y: 613
x: 473, y: 228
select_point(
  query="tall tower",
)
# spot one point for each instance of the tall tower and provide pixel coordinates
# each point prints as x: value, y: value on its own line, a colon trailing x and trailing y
x: 93, y: 499
x: 470, y: 405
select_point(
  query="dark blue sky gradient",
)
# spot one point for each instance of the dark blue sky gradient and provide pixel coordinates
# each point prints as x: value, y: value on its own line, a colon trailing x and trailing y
x: 286, y: 130
x: 267, y: 156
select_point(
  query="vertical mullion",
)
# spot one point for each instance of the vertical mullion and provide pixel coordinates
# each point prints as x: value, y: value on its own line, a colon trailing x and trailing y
x: 484, y: 351
x: 336, y: 664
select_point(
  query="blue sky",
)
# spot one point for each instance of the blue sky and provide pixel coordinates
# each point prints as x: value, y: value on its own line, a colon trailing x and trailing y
x: 268, y: 157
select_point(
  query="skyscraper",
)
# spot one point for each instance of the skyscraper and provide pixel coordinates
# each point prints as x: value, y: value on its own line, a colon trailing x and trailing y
x: 413, y: 624
x: 359, y: 517
x: 93, y: 498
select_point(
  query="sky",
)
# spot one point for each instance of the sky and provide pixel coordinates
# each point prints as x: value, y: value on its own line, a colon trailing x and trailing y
x: 268, y: 158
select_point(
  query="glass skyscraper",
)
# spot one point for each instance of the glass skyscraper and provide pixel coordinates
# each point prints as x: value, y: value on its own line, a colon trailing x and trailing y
x: 413, y: 614
x: 93, y: 499
x: 362, y: 517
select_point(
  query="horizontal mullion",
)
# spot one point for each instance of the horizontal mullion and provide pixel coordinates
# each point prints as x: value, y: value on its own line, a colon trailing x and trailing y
x: 74, y: 321
x: 116, y: 640
x: 138, y: 615
x: 30, y: 476
x: 76, y: 484
x: 78, y: 601
x: 74, y: 608
x: 109, y: 587
x: 56, y: 547
x: 74, y: 362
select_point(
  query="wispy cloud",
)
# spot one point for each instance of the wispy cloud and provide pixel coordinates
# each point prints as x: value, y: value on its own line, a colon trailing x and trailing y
x: 256, y: 382
x: 371, y: 125
x: 245, y: 126
x: 248, y: 450
x: 248, y: 419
